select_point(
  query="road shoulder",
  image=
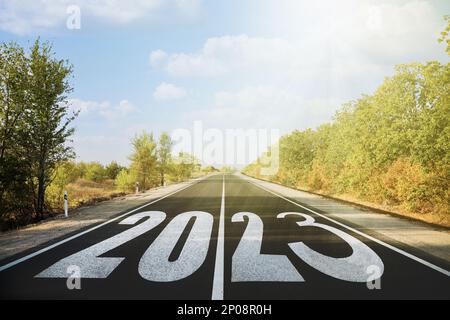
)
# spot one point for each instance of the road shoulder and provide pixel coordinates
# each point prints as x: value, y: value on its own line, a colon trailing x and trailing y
x: 431, y: 240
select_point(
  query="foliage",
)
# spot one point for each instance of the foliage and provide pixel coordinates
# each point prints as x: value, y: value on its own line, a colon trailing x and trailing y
x: 144, y: 160
x: 95, y: 172
x: 391, y: 148
x: 445, y: 34
x: 125, y: 181
x: 183, y: 166
x: 34, y: 128
x: 164, y: 155
x: 112, y: 170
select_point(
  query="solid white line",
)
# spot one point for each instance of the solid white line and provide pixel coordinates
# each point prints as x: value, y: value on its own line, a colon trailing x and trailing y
x: 217, y: 293
x: 406, y: 254
x: 34, y: 254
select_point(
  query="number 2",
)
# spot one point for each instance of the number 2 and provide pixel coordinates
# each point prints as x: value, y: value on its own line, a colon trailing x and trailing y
x: 88, y: 260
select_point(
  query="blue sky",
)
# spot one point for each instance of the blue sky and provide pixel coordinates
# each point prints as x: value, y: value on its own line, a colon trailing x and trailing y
x: 160, y: 65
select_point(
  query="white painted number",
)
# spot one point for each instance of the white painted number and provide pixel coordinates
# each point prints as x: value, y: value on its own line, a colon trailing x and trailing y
x: 88, y: 260
x: 155, y: 264
x: 248, y: 264
x: 352, y: 268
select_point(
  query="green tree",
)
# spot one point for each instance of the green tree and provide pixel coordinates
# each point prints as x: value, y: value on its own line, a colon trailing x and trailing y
x: 47, y: 120
x: 64, y: 174
x: 164, y: 155
x: 445, y: 34
x: 113, y: 169
x: 392, y: 147
x: 95, y: 172
x: 13, y: 96
x: 183, y: 166
x: 125, y: 180
x: 144, y: 160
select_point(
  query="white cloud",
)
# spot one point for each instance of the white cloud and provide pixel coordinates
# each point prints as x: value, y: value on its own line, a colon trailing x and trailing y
x: 386, y: 32
x: 119, y: 111
x: 325, y: 42
x: 85, y: 107
x: 379, y: 30
x: 222, y: 55
x: 102, y: 108
x: 157, y: 58
x: 25, y: 16
x: 265, y: 107
x: 168, y: 91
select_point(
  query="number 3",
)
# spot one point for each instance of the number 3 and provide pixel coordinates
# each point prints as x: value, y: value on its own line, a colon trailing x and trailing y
x: 352, y: 268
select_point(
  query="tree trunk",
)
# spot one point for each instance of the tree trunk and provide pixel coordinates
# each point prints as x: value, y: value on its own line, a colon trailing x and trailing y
x: 162, y: 178
x: 40, y: 192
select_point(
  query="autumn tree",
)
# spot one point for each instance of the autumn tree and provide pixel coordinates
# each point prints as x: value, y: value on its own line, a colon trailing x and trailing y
x: 445, y: 34
x: 164, y: 155
x: 144, y: 159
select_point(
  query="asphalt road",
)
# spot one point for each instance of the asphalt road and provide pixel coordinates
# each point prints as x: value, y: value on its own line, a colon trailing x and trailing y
x: 222, y: 238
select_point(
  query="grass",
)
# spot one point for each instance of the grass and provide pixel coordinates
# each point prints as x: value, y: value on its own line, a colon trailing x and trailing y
x: 83, y: 192
x: 441, y: 218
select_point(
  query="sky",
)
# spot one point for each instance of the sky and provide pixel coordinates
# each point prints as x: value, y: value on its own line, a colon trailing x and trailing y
x: 162, y: 65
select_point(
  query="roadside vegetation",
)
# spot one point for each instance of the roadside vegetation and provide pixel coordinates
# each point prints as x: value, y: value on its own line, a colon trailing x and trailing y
x: 34, y: 128
x: 36, y: 159
x: 390, y: 149
x: 151, y: 165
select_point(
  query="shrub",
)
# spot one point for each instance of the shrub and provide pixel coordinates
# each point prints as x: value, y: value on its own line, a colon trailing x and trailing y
x: 95, y: 172
x: 125, y: 181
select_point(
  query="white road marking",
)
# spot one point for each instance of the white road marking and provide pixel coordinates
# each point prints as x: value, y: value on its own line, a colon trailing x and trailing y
x: 155, y: 265
x: 217, y: 293
x: 91, y: 265
x: 250, y: 265
x: 400, y: 251
x: 34, y: 254
x: 352, y: 268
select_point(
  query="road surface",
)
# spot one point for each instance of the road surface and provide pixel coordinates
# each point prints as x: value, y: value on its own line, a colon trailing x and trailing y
x: 222, y: 237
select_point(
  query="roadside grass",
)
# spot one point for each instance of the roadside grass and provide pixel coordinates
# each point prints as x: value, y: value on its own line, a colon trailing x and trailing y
x: 85, y: 192
x: 436, y: 217
x: 439, y: 216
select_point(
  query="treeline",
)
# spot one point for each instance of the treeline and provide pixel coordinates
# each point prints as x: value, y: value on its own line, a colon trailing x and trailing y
x: 151, y: 165
x: 34, y: 128
x: 391, y: 148
x: 36, y: 160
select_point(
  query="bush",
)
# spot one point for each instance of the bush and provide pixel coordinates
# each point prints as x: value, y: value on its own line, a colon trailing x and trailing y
x: 66, y: 173
x: 95, y: 172
x: 112, y: 170
x: 125, y: 181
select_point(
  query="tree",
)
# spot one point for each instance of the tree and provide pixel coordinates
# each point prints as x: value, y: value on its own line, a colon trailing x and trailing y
x: 47, y: 119
x: 445, y: 34
x: 164, y: 155
x: 183, y: 166
x: 125, y: 180
x: 113, y: 169
x: 66, y: 173
x: 392, y: 147
x: 95, y: 172
x: 144, y: 159
x: 13, y: 95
